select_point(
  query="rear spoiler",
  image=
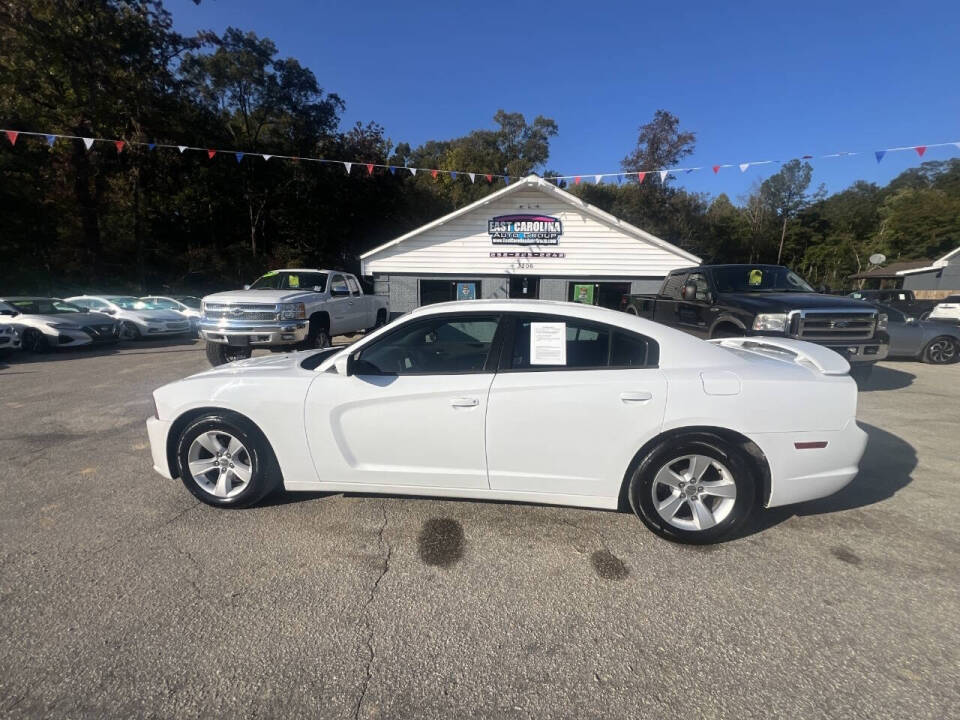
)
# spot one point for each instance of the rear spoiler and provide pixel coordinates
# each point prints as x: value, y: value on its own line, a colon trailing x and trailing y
x: 820, y: 358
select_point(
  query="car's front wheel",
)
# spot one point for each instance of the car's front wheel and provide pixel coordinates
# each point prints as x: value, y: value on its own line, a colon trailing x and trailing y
x: 941, y: 350
x: 693, y: 490
x: 225, y: 462
x: 34, y: 341
x: 129, y: 331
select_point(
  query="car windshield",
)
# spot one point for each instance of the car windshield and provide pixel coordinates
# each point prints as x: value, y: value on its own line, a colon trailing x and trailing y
x: 45, y: 306
x: 132, y: 303
x: 287, y: 280
x: 189, y: 301
x: 758, y: 278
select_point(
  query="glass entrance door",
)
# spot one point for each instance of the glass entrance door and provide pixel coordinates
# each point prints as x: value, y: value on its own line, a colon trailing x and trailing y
x: 524, y: 287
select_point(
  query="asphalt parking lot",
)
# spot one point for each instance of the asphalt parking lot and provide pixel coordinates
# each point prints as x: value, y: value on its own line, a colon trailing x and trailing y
x: 122, y: 595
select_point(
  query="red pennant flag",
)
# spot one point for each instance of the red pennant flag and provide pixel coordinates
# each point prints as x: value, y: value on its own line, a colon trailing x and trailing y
x: 369, y: 168
x: 716, y: 169
x: 921, y: 149
x: 12, y: 136
x: 489, y: 178
x: 119, y: 144
x: 640, y: 177
x: 576, y: 180
x: 211, y: 153
x: 434, y: 173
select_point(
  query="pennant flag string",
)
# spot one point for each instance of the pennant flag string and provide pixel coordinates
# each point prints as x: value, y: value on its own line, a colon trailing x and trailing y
x: 664, y: 173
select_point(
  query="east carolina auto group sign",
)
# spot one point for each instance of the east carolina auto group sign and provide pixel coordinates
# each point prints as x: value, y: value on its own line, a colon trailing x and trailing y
x: 524, y: 230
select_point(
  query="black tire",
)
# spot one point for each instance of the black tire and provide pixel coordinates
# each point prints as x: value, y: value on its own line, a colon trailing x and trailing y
x: 220, y: 354
x: 318, y: 337
x: 380, y: 322
x: 942, y: 350
x: 733, y: 515
x: 35, y: 341
x: 129, y: 331
x: 632, y: 311
x: 265, y: 472
x: 861, y: 373
x: 727, y: 331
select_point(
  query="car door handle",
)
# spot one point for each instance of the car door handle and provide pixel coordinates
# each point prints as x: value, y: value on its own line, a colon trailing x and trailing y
x: 641, y: 396
x: 464, y: 402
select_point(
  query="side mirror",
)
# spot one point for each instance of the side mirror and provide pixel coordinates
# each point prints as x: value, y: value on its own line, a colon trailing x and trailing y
x: 689, y: 292
x: 246, y: 287
x: 911, y: 321
x: 108, y: 311
x: 344, y: 364
x: 317, y: 288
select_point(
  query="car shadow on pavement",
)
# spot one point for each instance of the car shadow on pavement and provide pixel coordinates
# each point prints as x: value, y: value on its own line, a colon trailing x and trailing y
x: 132, y: 347
x: 885, y: 469
x: 886, y: 378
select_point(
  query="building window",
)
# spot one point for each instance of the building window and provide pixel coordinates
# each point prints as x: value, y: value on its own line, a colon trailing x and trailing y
x: 437, y: 291
x: 604, y: 294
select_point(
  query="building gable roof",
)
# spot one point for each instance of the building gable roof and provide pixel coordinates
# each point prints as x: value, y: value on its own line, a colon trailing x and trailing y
x: 538, y: 183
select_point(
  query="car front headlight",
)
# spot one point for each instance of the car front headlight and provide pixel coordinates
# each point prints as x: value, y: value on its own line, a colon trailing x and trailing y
x: 293, y: 311
x: 771, y: 322
x: 882, y: 321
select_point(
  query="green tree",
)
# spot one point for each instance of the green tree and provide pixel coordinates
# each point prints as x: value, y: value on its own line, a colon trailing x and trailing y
x: 786, y: 193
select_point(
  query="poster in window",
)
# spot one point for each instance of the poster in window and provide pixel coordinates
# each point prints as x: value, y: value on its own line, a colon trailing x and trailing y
x: 583, y: 293
x: 467, y: 291
x: 548, y: 343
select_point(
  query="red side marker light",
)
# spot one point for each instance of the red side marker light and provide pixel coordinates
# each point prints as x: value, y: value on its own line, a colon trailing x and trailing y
x: 820, y: 444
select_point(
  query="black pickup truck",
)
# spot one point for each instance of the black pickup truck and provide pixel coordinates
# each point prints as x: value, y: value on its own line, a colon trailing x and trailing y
x: 713, y: 301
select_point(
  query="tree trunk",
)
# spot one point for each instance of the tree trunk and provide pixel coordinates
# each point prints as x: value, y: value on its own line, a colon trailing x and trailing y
x: 783, y: 234
x: 89, y: 219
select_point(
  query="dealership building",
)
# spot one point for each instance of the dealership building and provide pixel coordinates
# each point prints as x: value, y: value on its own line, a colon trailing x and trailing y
x: 529, y: 240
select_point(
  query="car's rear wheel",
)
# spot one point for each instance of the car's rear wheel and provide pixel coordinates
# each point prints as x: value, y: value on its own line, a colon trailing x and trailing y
x: 221, y: 354
x: 693, y: 490
x: 941, y: 350
x: 225, y: 462
x: 34, y: 341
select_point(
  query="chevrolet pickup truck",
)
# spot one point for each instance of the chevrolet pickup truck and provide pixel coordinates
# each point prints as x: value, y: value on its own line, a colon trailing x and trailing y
x: 715, y: 301
x: 291, y: 309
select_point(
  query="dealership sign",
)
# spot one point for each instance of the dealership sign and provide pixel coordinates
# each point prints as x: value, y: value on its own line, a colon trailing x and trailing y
x: 524, y: 230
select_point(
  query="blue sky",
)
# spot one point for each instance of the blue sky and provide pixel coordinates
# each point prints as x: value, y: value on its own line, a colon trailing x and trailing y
x: 755, y: 81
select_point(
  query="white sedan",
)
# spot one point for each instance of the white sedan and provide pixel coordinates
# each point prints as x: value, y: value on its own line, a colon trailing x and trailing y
x: 529, y: 401
x: 138, y: 319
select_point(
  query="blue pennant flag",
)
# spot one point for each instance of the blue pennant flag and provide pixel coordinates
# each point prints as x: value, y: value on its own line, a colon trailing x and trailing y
x: 453, y: 174
x: 688, y: 171
x: 393, y: 170
x: 239, y: 157
x: 879, y: 154
x: 151, y: 145
x: 51, y: 139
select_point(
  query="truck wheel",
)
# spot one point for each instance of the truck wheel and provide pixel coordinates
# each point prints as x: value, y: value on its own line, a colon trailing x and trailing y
x: 381, y: 321
x: 220, y: 354
x: 317, y: 339
x: 631, y: 310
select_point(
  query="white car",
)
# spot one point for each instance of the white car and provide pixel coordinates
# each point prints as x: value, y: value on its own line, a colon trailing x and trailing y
x: 9, y: 335
x: 188, y: 306
x: 137, y: 318
x: 946, y: 309
x: 46, y: 323
x: 531, y: 401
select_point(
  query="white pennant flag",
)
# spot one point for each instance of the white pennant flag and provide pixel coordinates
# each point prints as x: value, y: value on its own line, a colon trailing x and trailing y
x: 744, y: 166
x: 598, y: 178
x: 413, y: 171
x: 348, y: 166
x: 181, y: 148
x: 663, y: 175
x: 472, y: 176
x: 958, y: 145
x: 267, y: 157
x: 88, y: 142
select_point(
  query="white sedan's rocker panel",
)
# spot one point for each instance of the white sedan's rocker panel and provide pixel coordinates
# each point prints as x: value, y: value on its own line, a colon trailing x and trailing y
x: 560, y: 437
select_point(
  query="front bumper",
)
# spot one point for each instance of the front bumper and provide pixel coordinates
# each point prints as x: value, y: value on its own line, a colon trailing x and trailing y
x: 157, y: 431
x: 798, y: 475
x: 285, y: 332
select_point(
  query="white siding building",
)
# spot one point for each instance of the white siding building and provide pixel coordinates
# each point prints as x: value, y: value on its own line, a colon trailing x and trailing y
x: 529, y: 240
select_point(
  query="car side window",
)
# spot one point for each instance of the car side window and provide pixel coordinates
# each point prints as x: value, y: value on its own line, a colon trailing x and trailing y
x: 338, y: 286
x: 673, y: 286
x: 588, y: 345
x: 163, y: 304
x: 437, y: 346
x: 354, y: 287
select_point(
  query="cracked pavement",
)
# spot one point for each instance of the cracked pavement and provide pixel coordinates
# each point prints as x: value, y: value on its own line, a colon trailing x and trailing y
x: 121, y: 595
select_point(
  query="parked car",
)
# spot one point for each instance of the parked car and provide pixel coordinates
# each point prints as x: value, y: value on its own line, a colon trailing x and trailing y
x: 530, y: 401
x: 9, y: 335
x: 903, y: 300
x: 137, y: 318
x: 716, y: 301
x: 287, y: 310
x: 46, y: 323
x: 947, y: 309
x: 931, y: 341
x: 188, y: 306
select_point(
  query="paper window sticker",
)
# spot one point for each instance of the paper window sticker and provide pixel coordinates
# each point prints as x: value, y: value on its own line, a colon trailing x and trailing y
x: 548, y: 343
x: 756, y: 277
x: 293, y: 281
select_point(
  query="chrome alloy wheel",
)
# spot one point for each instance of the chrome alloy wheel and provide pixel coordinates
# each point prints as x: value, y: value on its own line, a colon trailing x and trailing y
x: 694, y: 492
x: 942, y: 351
x: 220, y: 464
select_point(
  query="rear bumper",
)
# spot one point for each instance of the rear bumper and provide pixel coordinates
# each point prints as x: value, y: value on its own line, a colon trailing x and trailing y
x: 157, y: 431
x: 798, y: 475
x: 267, y: 334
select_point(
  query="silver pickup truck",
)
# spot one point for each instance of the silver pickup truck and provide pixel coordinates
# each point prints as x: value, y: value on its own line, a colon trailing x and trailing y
x: 293, y: 309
